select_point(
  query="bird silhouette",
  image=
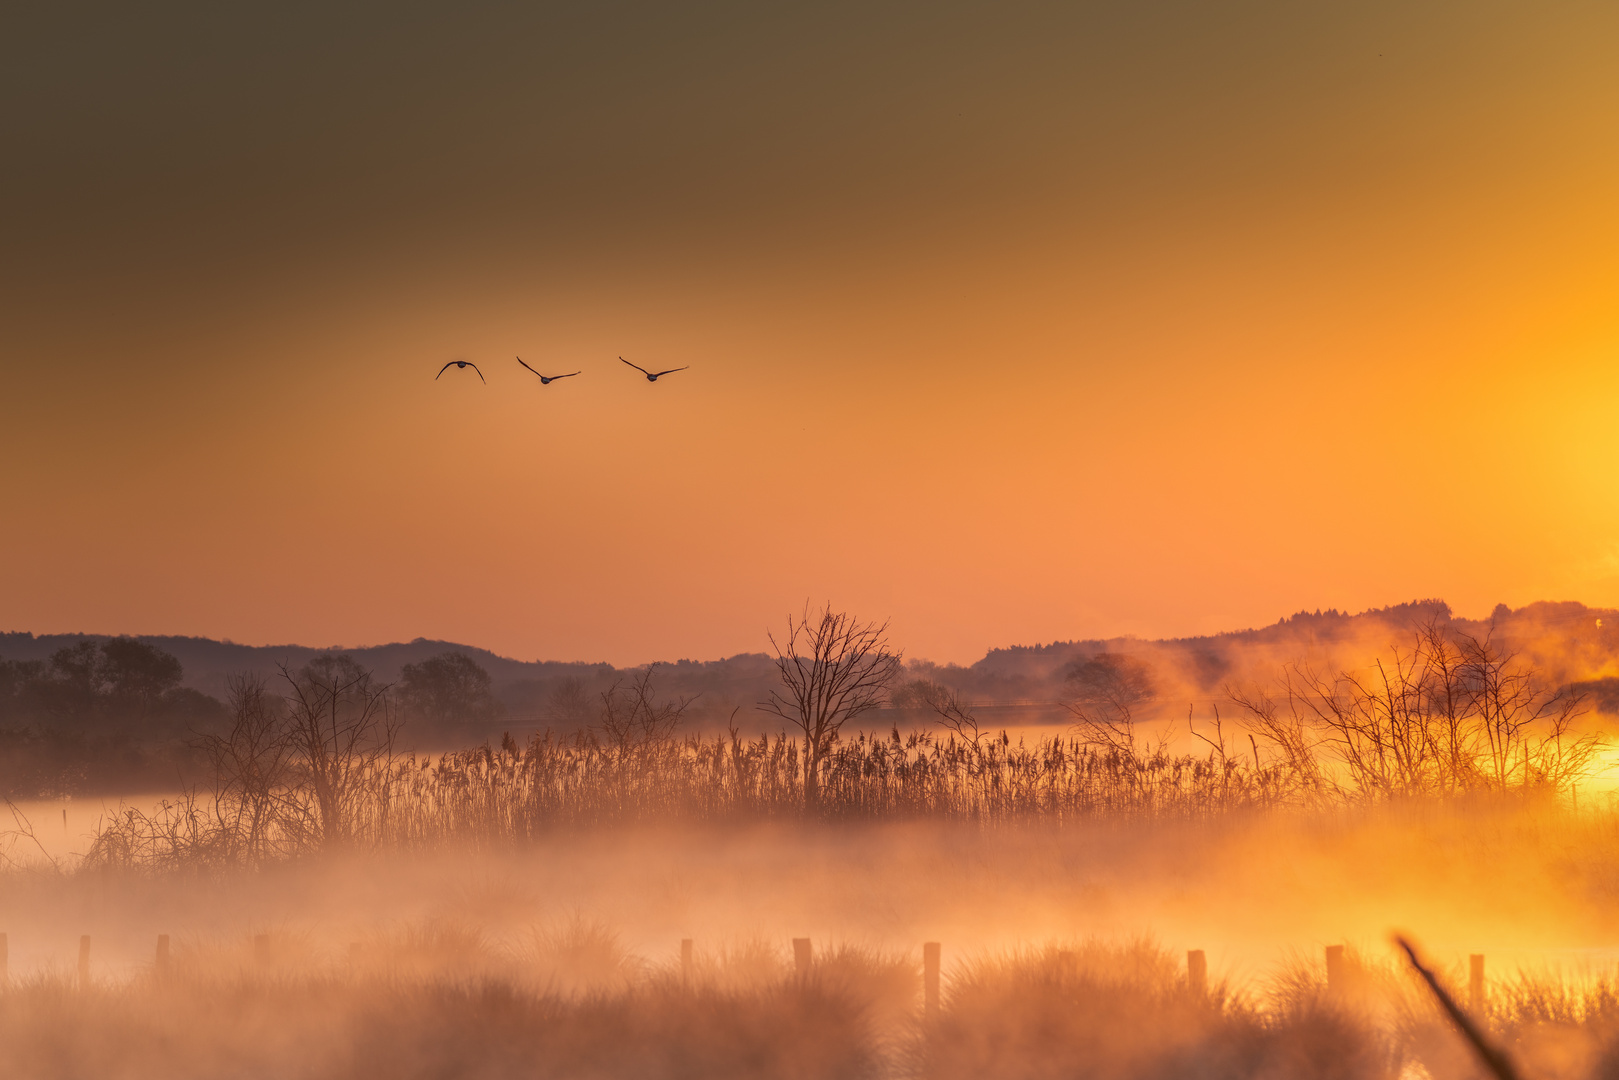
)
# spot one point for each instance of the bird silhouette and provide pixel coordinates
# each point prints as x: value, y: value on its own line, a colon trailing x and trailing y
x: 652, y: 376
x: 461, y: 364
x: 547, y: 380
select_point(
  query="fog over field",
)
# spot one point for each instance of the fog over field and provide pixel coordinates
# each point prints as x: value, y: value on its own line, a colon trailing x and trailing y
x: 1034, y: 540
x: 1251, y: 891
x: 1453, y: 785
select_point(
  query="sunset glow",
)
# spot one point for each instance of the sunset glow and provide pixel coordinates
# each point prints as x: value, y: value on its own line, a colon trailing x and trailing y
x: 841, y: 541
x: 1064, y: 324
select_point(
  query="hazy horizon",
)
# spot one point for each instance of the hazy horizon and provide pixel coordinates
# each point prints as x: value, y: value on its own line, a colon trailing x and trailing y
x: 1027, y: 431
x: 763, y: 647
x: 1010, y: 323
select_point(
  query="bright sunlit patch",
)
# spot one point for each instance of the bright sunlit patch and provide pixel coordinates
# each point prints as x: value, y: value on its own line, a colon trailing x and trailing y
x: 1604, y: 778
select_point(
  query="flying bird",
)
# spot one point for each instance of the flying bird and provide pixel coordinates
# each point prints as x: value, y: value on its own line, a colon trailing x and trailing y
x: 652, y: 376
x: 547, y: 380
x: 461, y: 364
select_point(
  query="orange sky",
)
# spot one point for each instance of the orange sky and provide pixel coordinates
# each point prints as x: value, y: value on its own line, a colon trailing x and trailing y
x: 1010, y: 322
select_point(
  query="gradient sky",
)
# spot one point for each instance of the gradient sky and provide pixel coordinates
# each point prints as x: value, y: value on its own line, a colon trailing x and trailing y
x: 1011, y: 322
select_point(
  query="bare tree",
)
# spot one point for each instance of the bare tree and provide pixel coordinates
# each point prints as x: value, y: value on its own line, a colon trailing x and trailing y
x: 833, y: 668
x: 638, y: 732
x: 1453, y: 714
x: 631, y: 716
x: 950, y: 710
x: 340, y: 734
x: 1525, y: 728
x: 308, y: 769
x: 22, y: 830
x: 568, y: 705
x: 1291, y: 737
x: 252, y: 773
x: 1107, y: 689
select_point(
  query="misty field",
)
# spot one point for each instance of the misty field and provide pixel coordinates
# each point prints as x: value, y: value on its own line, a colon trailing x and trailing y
x: 436, y: 1001
x: 312, y: 765
x: 753, y: 541
x: 562, y: 956
x: 634, y: 898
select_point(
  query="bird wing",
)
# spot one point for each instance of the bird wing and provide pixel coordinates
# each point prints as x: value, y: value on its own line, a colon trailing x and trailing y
x: 569, y: 375
x: 637, y: 367
x: 445, y: 368
x: 474, y: 367
x: 672, y: 370
x: 520, y: 361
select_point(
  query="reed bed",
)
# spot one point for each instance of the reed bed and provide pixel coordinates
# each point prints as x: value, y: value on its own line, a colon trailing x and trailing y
x: 494, y: 796
x: 511, y: 793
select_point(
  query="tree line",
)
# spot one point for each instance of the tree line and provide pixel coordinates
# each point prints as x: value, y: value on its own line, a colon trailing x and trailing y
x: 113, y: 715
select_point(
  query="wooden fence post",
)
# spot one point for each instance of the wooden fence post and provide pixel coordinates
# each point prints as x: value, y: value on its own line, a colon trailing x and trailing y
x: 685, y: 961
x: 163, y: 957
x: 1475, y: 984
x: 1197, y: 973
x: 801, y: 956
x: 261, y: 950
x: 930, y: 980
x: 84, y: 962
x: 1335, y: 969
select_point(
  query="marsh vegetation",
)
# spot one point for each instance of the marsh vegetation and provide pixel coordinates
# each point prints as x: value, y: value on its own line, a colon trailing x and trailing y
x: 513, y: 909
x: 432, y: 1001
x: 312, y: 764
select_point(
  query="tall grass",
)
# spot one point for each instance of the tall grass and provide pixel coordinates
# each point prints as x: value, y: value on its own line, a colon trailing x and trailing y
x: 494, y: 796
x: 331, y: 1024
x: 489, y: 796
x: 581, y: 781
x: 1124, y: 1011
x: 439, y: 1001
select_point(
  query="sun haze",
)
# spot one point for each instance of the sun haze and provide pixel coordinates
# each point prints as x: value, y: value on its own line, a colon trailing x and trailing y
x: 1013, y: 323
x: 831, y: 541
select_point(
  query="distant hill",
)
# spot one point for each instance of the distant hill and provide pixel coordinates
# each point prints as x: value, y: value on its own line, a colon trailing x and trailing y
x: 1569, y: 642
x: 45, y: 749
x: 526, y: 688
x: 208, y: 663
